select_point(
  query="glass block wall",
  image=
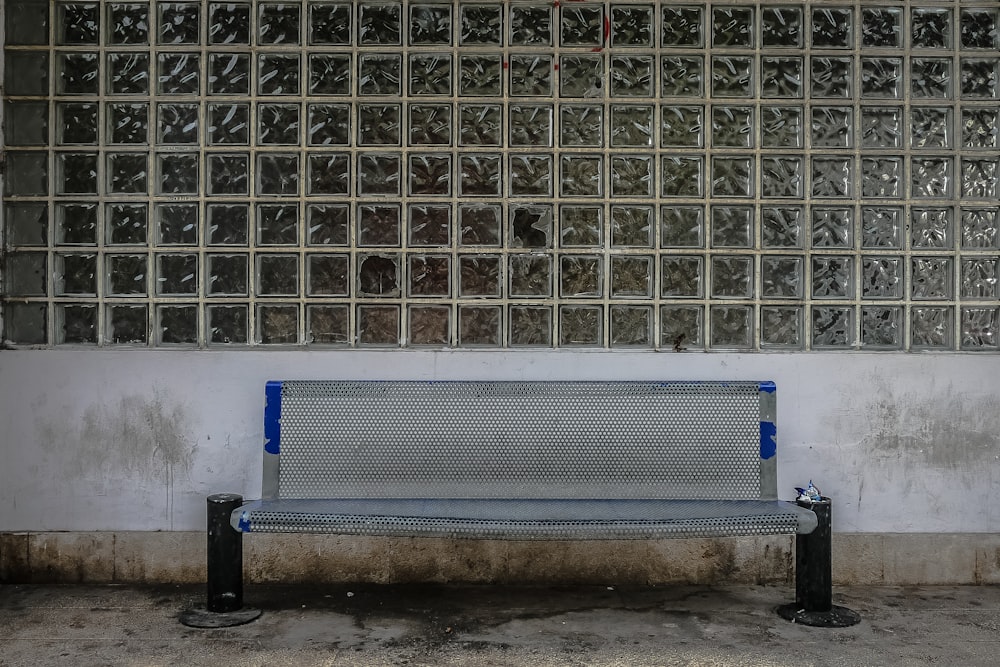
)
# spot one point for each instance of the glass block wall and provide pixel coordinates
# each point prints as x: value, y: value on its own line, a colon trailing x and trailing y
x: 732, y: 176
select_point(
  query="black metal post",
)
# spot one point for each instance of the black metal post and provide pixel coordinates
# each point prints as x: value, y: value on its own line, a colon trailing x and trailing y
x: 814, y: 575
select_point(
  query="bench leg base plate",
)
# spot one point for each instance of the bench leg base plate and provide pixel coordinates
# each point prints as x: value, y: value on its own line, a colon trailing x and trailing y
x: 202, y: 618
x: 836, y: 617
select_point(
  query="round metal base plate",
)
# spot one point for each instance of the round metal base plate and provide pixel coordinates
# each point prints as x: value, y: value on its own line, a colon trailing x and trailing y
x: 836, y: 617
x: 202, y: 618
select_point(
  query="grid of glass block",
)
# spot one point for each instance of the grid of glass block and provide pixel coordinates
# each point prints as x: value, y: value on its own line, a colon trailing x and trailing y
x: 733, y: 175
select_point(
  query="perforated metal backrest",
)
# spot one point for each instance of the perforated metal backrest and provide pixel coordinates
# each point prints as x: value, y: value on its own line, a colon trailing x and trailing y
x: 357, y: 439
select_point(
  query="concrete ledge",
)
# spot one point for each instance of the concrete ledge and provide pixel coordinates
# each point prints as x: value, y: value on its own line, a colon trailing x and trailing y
x: 179, y: 557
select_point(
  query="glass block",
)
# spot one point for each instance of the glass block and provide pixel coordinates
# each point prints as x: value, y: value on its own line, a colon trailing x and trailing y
x: 177, y: 325
x: 378, y: 74
x: 631, y: 326
x: 781, y: 226
x: 781, y: 327
x: 329, y: 125
x: 430, y: 124
x: 479, y: 75
x: 581, y: 226
x: 26, y: 123
x: 832, y: 326
x: 732, y: 127
x: 530, y: 275
x: 378, y: 124
x: 979, y: 278
x: 278, y: 174
x: 581, y: 176
x: 881, y: 227
x: 479, y: 326
x: 930, y: 28
x: 229, y: 124
x: 881, y: 127
x: 681, y: 327
x: 479, y: 275
x: 632, y: 25
x: 979, y: 227
x: 682, y: 76
x: 632, y: 226
x: 76, y: 123
x: 683, y: 176
x: 831, y: 77
x: 979, y: 78
x: 78, y: 74
x: 732, y: 26
x: 931, y: 327
x: 229, y: 23
x: 732, y: 76
x: 76, y: 173
x: 832, y: 177
x: 177, y: 224
x: 329, y: 23
x: 732, y: 226
x: 25, y: 274
x: 530, y: 226
x: 881, y: 177
x: 832, y: 127
x: 882, y: 326
x: 931, y: 177
x: 379, y: 24
x: 328, y: 275
x: 26, y: 22
x: 76, y: 224
x: 480, y: 175
x: 881, y: 277
x: 176, y: 124
x: 378, y: 225
x: 832, y: 277
x: 681, y: 226
x: 279, y: 74
x: 582, y: 26
x: 530, y: 75
x: 632, y: 125
x: 127, y: 325
x: 177, y: 274
x: 178, y: 73
x: 832, y: 28
x: 530, y: 125
x: 228, y: 174
x: 327, y: 224
x: 580, y: 276
x: 530, y: 326
x: 26, y: 73
x: 732, y: 177
x: 581, y: 125
x: 581, y: 326
x: 429, y: 275
x: 479, y: 224
x: 430, y: 24
x: 681, y: 276
x: 429, y: 225
x: 379, y: 174
x: 25, y: 323
x: 731, y: 327
x: 581, y: 76
x: 881, y: 78
x: 930, y: 78
x: 931, y: 227
x: 429, y: 325
x: 880, y: 26
x: 531, y: 175
x: 979, y: 178
x: 530, y: 25
x: 781, y: 127
x: 127, y: 173
x: 277, y: 275
x: 632, y: 76
x: 278, y: 23
x: 931, y: 278
x: 430, y: 74
x: 76, y: 274
x: 28, y: 173
x: 781, y: 26
x: 781, y: 77
x: 76, y: 324
x: 227, y: 324
x: 781, y: 277
x: 229, y: 74
x: 980, y: 127
x: 277, y: 324
x: 681, y: 26
x: 126, y: 224
x: 77, y: 23
x: 179, y: 23
x: 681, y: 127
x: 481, y: 24
x: 127, y: 274
x: 479, y: 124
x: 781, y: 177
x: 227, y: 224
x: 177, y: 173
x: 227, y: 274
x: 277, y: 224
x: 980, y: 328
x: 979, y: 28
x: 631, y: 176
x: 632, y: 276
x: 732, y: 277
x: 330, y: 74
x: 27, y: 224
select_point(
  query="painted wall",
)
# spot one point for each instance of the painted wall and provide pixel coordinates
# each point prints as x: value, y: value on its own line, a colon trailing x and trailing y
x: 118, y: 440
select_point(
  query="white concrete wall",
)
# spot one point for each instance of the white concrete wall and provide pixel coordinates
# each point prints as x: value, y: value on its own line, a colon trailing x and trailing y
x: 120, y: 440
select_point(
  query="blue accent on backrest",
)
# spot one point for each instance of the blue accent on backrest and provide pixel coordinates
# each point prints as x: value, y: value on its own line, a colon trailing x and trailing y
x: 272, y: 417
x: 768, y: 387
x: 768, y: 440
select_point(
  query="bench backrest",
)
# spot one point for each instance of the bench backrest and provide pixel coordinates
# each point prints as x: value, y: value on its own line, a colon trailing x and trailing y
x: 392, y: 439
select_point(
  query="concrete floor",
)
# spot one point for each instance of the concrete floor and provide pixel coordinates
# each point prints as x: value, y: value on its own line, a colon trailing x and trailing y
x: 488, y: 625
